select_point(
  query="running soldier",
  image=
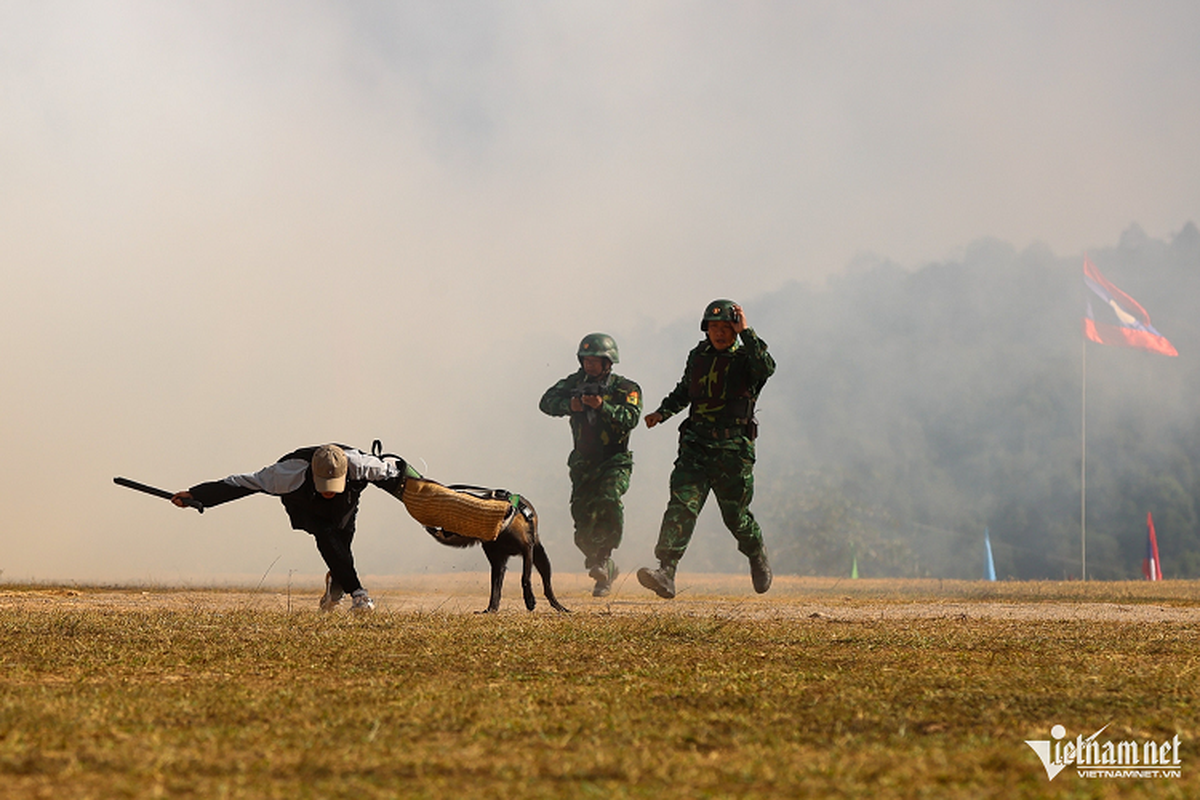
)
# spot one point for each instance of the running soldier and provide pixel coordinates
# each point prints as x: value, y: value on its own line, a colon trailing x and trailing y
x: 720, y: 384
x: 603, y: 408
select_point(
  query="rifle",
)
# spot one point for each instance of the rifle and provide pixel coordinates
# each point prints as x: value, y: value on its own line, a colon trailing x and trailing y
x: 163, y: 493
x: 589, y: 389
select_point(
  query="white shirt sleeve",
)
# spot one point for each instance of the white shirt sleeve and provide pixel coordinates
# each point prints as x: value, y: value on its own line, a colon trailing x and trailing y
x: 363, y: 467
x: 278, y: 478
x: 288, y: 476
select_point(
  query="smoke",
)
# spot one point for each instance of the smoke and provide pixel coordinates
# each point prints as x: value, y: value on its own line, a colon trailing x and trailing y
x: 232, y: 230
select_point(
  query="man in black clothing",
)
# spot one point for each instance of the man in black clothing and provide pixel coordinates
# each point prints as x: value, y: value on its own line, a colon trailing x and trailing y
x: 319, y: 488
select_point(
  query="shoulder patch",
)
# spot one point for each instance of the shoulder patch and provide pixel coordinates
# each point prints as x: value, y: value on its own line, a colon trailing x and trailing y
x: 632, y: 397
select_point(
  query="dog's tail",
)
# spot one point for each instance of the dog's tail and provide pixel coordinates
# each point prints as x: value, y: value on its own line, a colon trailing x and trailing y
x: 452, y: 539
x: 542, y: 562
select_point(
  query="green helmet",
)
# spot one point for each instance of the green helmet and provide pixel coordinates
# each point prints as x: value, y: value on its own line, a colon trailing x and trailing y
x: 599, y: 344
x: 717, y: 310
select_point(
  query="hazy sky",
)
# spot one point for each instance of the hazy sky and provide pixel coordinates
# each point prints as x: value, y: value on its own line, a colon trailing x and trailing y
x: 230, y: 229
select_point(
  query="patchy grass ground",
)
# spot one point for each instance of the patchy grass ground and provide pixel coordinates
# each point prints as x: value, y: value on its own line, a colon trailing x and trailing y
x: 822, y: 689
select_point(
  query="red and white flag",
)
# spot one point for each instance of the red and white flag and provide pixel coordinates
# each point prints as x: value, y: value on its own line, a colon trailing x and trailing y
x: 1151, y: 566
x: 1120, y: 320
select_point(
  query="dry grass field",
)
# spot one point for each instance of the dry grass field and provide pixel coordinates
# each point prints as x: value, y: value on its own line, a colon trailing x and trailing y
x: 822, y: 688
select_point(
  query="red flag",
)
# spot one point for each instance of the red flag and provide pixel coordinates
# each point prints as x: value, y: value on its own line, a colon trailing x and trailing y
x: 1123, y: 322
x: 1151, y: 566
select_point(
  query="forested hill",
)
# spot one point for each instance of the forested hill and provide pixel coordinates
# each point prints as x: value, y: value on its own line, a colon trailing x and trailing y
x: 913, y: 409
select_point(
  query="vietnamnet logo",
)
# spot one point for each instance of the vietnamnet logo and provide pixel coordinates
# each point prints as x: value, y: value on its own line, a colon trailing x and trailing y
x: 1093, y: 759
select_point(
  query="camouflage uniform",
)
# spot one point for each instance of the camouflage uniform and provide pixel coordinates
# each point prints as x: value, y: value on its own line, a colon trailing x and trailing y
x: 716, y: 444
x: 600, y: 463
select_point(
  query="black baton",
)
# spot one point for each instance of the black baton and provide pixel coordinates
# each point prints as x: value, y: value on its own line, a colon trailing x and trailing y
x: 163, y: 493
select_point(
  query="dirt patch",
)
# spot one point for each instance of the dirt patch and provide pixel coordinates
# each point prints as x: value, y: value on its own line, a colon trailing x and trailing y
x: 725, y: 596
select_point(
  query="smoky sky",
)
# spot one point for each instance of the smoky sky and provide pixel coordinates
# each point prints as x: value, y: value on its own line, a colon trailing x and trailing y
x: 234, y: 229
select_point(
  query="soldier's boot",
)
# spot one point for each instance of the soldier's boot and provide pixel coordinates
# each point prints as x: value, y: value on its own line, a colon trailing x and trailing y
x: 760, y: 571
x: 603, y: 574
x: 661, y: 581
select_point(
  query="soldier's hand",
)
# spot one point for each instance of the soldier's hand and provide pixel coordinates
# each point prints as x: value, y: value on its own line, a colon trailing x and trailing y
x: 180, y: 498
x: 576, y: 405
x: 592, y: 400
x: 653, y: 419
x: 739, y: 322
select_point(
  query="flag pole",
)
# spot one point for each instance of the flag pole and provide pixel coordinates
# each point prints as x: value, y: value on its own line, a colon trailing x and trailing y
x: 1083, y: 467
x: 1132, y: 329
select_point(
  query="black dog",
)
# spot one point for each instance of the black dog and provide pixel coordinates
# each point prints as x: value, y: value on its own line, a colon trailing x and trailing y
x: 519, y: 538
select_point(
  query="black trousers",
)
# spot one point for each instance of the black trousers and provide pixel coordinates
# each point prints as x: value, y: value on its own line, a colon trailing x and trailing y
x: 334, y: 546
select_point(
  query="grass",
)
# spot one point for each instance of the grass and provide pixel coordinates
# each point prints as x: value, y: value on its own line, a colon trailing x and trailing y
x: 233, y: 702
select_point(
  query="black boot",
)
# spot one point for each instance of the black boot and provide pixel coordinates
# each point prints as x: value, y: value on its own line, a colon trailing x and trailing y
x: 603, y: 574
x: 661, y: 581
x: 760, y: 571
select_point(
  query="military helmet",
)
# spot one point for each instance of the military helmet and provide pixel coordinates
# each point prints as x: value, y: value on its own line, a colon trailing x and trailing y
x: 717, y: 310
x: 599, y: 344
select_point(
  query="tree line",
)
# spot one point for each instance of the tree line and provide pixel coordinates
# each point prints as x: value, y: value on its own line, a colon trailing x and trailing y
x: 913, y: 409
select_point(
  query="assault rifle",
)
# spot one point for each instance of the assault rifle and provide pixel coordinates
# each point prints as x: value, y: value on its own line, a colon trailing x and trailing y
x: 589, y: 389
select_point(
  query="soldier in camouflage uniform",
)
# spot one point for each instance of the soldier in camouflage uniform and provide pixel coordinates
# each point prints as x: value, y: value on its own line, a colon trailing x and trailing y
x: 604, y: 409
x: 720, y: 384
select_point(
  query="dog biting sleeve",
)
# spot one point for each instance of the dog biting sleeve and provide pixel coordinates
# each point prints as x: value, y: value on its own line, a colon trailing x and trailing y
x: 437, y: 506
